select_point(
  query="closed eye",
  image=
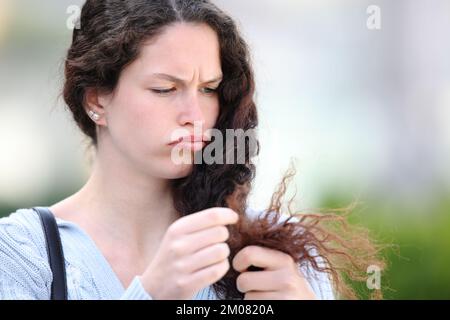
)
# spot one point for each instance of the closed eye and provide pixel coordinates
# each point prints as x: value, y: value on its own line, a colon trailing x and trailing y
x: 163, y: 91
x: 209, y: 90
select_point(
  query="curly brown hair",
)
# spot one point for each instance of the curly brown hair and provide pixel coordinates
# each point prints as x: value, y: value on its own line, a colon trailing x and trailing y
x: 110, y: 37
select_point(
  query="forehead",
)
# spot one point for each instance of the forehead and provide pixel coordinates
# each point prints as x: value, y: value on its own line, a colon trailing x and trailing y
x: 182, y: 48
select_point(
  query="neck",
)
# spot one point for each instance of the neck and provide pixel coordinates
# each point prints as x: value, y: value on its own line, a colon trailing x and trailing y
x: 125, y: 206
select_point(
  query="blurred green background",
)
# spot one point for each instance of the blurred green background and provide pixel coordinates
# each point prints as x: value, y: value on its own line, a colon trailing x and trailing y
x: 364, y: 113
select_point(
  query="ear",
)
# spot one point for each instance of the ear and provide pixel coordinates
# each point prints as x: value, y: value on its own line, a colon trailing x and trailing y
x: 97, y: 102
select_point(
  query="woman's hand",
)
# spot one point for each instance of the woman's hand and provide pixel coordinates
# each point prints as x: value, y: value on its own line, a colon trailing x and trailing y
x: 281, y: 278
x: 193, y: 254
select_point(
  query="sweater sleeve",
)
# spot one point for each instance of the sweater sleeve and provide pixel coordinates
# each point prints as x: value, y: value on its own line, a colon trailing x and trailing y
x: 24, y: 270
x: 319, y: 282
x: 136, y: 291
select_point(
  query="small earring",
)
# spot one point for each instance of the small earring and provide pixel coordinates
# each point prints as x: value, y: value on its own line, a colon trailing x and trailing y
x: 94, y: 115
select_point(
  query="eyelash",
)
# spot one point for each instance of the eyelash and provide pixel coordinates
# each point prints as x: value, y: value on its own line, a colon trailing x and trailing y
x: 167, y: 91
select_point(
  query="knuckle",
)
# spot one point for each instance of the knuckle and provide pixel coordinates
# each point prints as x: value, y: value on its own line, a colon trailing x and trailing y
x: 215, y: 273
x: 246, y: 253
x: 227, y: 265
x: 172, y: 230
x: 181, y: 284
x: 222, y: 251
x: 223, y: 233
x: 222, y: 269
x: 180, y: 266
x: 226, y: 249
x: 176, y: 248
x: 250, y: 250
x: 287, y: 281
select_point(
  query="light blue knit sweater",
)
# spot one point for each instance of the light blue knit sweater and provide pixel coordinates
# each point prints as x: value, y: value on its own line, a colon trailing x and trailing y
x: 25, y: 272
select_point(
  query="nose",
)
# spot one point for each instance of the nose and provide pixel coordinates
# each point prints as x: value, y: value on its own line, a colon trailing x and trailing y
x: 191, y: 111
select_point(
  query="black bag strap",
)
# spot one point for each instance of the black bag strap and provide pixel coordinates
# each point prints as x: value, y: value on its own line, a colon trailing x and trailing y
x: 55, y: 253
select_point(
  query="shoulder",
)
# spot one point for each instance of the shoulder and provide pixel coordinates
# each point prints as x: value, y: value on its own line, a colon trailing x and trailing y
x: 319, y: 282
x: 22, y: 228
x: 24, y: 269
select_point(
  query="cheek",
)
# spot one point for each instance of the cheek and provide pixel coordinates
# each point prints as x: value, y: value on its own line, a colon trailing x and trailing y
x: 139, y: 118
x: 212, y: 114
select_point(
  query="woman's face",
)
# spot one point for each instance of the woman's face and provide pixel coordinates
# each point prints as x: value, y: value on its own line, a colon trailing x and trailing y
x: 169, y: 87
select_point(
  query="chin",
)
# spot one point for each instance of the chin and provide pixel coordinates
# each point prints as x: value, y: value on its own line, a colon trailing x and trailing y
x: 182, y: 171
x: 174, y: 171
x: 165, y: 168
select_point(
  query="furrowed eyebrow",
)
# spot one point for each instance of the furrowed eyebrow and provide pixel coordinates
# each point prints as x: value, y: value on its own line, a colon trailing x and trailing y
x: 178, y: 80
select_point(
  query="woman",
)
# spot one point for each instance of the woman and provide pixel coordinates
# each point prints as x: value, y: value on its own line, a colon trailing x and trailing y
x: 139, y: 77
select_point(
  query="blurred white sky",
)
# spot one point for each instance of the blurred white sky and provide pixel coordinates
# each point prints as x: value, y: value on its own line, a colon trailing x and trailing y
x: 363, y: 112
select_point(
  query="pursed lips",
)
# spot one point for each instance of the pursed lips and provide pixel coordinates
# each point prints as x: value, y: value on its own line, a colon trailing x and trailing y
x: 194, y: 143
x: 190, y: 138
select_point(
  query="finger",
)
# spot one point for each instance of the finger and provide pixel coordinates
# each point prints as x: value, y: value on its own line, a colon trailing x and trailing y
x: 262, y: 257
x: 260, y: 281
x: 205, y: 219
x: 208, y: 256
x: 210, y: 274
x: 205, y: 238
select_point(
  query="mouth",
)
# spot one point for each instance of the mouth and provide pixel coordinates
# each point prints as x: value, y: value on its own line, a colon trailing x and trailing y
x: 191, y: 142
x: 194, y: 146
